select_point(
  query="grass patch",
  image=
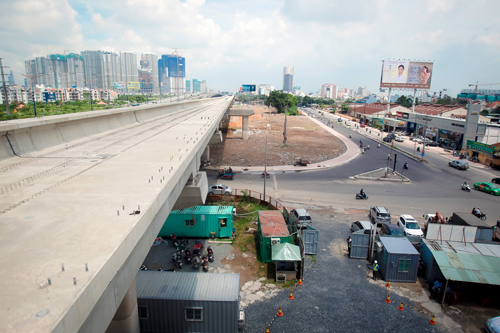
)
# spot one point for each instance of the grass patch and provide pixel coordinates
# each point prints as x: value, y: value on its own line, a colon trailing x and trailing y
x: 313, y: 258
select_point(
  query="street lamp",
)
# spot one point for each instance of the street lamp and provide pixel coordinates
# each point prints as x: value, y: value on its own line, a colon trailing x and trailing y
x: 265, y: 165
x: 90, y: 84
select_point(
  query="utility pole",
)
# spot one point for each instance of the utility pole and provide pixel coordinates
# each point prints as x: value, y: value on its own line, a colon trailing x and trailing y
x: 33, y: 89
x: 284, y: 133
x: 177, y: 78
x: 6, y: 99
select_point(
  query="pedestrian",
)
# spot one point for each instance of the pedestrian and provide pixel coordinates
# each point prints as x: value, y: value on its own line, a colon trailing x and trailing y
x: 349, y: 242
x: 375, y: 269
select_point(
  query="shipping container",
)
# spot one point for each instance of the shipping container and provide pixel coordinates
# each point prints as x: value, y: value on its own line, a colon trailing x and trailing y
x: 399, y: 259
x: 188, y: 302
x: 484, y: 232
x: 272, y: 230
x: 199, y: 221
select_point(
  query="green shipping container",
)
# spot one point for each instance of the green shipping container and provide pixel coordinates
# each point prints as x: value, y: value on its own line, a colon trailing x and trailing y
x: 199, y: 221
x: 272, y: 230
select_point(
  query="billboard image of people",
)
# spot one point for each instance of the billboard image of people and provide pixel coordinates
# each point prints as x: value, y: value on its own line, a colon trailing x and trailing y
x: 406, y: 74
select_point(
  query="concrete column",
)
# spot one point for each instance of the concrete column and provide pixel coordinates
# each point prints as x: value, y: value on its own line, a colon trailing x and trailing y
x: 205, y: 156
x: 126, y: 319
x: 245, y: 127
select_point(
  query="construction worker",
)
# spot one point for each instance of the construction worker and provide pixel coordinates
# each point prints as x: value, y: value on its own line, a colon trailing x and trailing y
x: 349, y: 246
x: 375, y: 269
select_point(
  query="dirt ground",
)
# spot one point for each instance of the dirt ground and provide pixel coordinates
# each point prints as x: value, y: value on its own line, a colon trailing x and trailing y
x: 305, y: 139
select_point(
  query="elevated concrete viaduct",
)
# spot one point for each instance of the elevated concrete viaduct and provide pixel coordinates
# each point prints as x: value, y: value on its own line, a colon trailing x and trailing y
x: 83, y: 197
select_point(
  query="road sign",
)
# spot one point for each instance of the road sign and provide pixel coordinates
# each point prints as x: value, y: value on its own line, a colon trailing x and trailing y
x: 423, y: 154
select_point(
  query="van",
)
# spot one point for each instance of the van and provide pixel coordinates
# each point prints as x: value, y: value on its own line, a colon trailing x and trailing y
x: 380, y: 215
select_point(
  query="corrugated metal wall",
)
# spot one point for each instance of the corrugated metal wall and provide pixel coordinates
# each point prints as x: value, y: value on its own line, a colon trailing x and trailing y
x: 359, y: 245
x: 389, y: 266
x: 311, y: 238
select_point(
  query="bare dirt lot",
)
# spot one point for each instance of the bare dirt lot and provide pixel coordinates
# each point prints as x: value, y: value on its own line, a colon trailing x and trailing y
x: 305, y: 139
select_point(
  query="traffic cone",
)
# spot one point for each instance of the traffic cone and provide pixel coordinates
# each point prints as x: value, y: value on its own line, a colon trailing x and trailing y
x: 433, y: 322
x: 291, y: 295
x: 388, y: 300
x: 280, y: 313
x: 267, y: 330
x: 388, y: 284
x: 300, y: 282
x: 401, y: 307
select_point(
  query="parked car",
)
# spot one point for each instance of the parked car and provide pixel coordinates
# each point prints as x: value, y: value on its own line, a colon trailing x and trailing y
x: 492, y: 325
x: 391, y: 229
x: 387, y: 139
x: 410, y: 226
x: 399, y: 139
x: 496, y: 180
x: 431, y: 143
x: 301, y: 217
x: 362, y: 225
x: 219, y: 189
x: 487, y: 187
x: 380, y: 215
x: 459, y: 164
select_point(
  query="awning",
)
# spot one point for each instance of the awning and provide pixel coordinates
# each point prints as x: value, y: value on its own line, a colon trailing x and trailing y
x: 469, y: 267
x: 286, y: 252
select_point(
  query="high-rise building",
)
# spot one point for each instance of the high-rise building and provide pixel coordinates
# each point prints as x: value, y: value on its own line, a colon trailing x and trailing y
x: 11, y: 79
x: 93, y: 69
x: 128, y: 67
x: 288, y: 79
x: 196, y: 86
x: 152, y: 60
x: 203, y: 87
x: 172, y: 73
x: 329, y: 90
x: 362, y: 91
x: 111, y: 69
x: 265, y: 89
x: 75, y: 70
x: 188, y: 85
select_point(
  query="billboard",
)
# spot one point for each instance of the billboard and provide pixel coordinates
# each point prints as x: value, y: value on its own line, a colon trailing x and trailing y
x: 248, y: 87
x: 134, y: 85
x: 406, y: 74
x: 119, y: 85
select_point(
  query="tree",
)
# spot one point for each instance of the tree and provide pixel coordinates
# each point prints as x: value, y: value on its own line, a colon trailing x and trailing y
x: 463, y: 101
x: 344, y: 108
x: 281, y: 101
x: 404, y: 101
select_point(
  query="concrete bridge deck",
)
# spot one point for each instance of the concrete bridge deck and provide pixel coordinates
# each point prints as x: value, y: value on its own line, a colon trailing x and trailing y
x: 66, y: 201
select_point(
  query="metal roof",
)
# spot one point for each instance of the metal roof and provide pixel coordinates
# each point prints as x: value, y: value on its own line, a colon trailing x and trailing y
x: 188, y: 286
x: 272, y: 224
x: 398, y: 245
x: 469, y: 262
x: 204, y: 210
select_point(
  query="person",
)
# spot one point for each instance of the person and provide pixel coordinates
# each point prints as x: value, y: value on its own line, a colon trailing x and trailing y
x: 400, y: 77
x: 406, y: 165
x: 230, y: 170
x: 424, y: 75
x: 418, y: 148
x: 349, y: 240
x: 362, y: 193
x: 476, y: 211
x: 375, y: 269
x: 350, y: 135
x: 437, y: 287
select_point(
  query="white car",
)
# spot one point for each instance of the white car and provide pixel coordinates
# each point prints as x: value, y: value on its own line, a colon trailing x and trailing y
x: 301, y: 217
x: 410, y: 226
x: 399, y: 139
x: 219, y: 189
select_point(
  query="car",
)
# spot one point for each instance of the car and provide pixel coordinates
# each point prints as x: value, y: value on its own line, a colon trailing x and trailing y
x: 340, y: 120
x: 492, y: 325
x: 301, y: 217
x: 387, y: 139
x: 391, y: 229
x: 399, y: 139
x: 380, y: 215
x: 362, y: 125
x: 431, y: 143
x: 219, y: 189
x: 459, y: 164
x: 496, y: 180
x: 362, y: 225
x: 135, y: 104
x: 410, y: 226
x: 487, y: 187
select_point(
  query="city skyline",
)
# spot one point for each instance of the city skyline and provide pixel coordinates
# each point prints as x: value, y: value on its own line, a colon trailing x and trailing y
x: 228, y: 43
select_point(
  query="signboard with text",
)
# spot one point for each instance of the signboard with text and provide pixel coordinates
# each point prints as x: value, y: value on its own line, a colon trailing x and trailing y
x: 119, y: 85
x: 248, y: 87
x: 480, y: 147
x: 406, y: 74
x: 134, y: 85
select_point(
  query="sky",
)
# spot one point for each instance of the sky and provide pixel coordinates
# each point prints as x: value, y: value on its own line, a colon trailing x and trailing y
x: 231, y: 42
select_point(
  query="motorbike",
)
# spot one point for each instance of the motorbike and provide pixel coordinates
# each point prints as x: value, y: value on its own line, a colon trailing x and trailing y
x: 204, y: 263
x: 196, y: 262
x: 378, y: 145
x: 350, y: 136
x: 360, y: 196
x: 174, y: 240
x: 481, y: 216
x: 262, y: 175
x: 210, y: 254
x: 405, y: 166
x: 177, y: 259
x: 204, y: 164
x: 143, y: 268
x: 466, y: 187
x: 188, y: 256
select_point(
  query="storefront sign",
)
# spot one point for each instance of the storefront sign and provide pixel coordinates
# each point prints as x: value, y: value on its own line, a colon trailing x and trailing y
x: 480, y: 147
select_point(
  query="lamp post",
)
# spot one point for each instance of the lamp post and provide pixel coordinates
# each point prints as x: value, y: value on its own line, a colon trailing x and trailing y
x: 265, y: 164
x: 32, y: 89
x: 90, y: 84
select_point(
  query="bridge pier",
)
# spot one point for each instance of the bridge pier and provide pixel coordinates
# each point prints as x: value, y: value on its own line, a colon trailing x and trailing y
x: 126, y: 319
x: 205, y: 156
x: 244, y: 113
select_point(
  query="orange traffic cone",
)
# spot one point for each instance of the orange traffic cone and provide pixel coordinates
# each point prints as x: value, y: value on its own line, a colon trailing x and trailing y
x: 401, y: 307
x: 300, y: 282
x: 267, y: 330
x: 388, y: 300
x: 291, y: 295
x: 280, y: 313
x: 432, y: 321
x: 388, y: 284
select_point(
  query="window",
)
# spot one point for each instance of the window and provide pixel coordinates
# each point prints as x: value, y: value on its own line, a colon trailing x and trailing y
x: 194, y: 314
x: 223, y: 222
x: 404, y: 265
x: 189, y: 223
x: 143, y: 312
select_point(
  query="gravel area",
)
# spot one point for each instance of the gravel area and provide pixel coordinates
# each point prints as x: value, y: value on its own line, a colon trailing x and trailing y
x: 338, y: 294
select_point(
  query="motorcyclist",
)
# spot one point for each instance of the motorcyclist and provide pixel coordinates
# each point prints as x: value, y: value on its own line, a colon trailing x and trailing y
x: 362, y: 193
x: 230, y: 170
x: 350, y: 135
x: 405, y: 165
x: 464, y: 184
x: 476, y: 211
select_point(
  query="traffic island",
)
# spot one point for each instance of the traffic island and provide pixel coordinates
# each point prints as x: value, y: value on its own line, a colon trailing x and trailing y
x: 383, y: 174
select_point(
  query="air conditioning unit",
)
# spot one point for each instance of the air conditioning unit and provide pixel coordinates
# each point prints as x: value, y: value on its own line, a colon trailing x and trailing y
x: 275, y: 241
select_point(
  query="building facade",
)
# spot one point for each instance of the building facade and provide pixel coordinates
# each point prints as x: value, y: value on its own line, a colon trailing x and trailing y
x: 329, y: 90
x: 288, y: 79
x: 152, y: 65
x: 172, y: 73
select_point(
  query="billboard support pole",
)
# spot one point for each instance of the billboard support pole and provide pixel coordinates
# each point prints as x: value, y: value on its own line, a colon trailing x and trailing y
x: 387, y: 113
x: 414, y: 99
